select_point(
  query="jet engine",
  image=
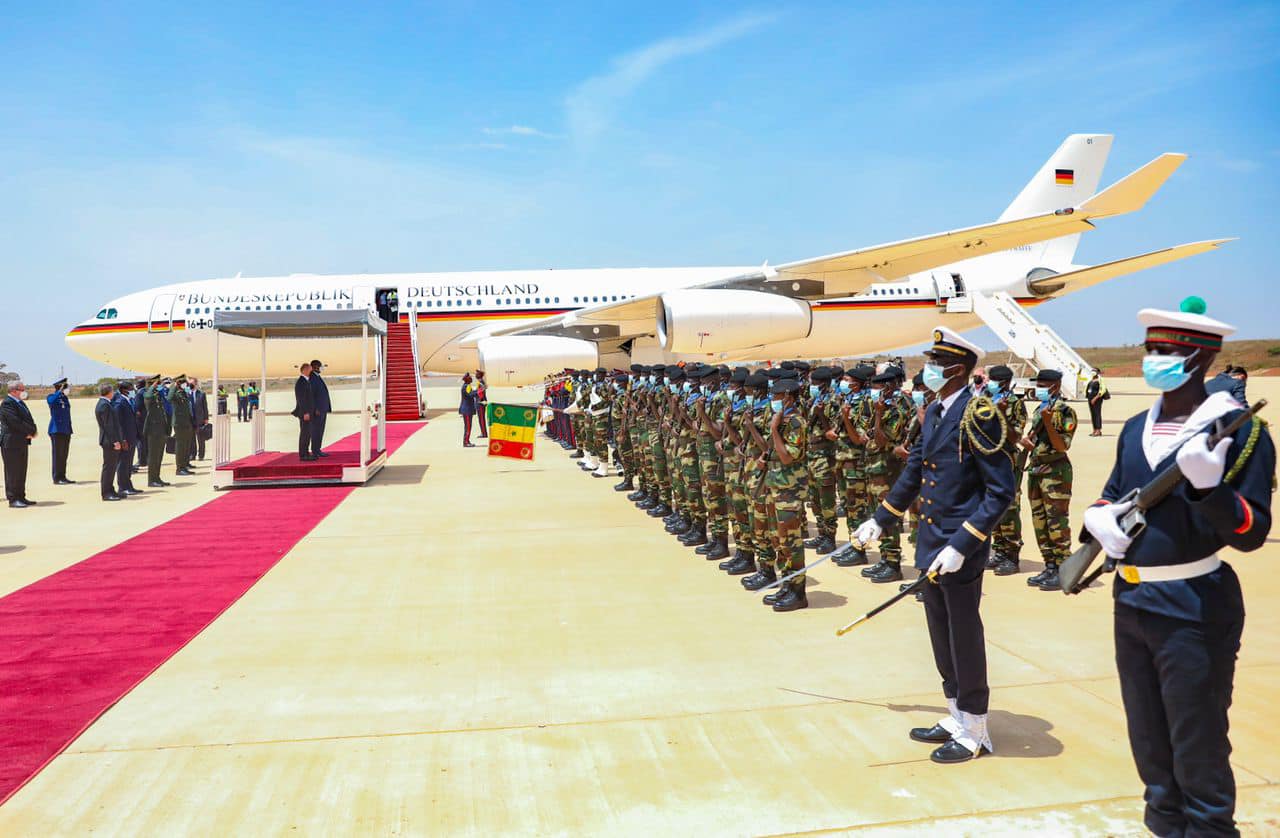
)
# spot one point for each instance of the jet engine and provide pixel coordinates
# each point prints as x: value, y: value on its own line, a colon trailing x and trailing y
x: 1041, y: 282
x: 703, y: 320
x: 527, y: 359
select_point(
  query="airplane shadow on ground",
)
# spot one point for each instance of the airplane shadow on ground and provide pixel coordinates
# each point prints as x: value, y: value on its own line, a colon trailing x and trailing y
x: 11, y: 548
x: 401, y: 475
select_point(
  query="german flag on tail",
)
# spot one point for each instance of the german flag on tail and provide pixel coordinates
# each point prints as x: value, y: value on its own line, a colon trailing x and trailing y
x: 511, y: 430
x: 1064, y: 177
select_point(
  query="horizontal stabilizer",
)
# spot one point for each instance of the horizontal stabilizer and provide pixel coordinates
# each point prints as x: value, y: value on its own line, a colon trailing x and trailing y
x: 1086, y: 277
x: 1131, y: 193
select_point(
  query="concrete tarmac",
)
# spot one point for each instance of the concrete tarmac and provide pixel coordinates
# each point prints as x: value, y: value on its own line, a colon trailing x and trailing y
x: 480, y: 646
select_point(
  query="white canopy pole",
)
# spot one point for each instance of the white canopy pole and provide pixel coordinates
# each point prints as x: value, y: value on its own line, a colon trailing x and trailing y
x: 364, y: 394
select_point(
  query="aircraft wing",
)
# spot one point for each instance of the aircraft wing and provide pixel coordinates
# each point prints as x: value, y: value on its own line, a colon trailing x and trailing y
x: 1086, y: 277
x: 852, y: 272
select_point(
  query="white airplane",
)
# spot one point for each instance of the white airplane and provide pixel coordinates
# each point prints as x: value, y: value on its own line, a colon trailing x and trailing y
x: 521, y: 325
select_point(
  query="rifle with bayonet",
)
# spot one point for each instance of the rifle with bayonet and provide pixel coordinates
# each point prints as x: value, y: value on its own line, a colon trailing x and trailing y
x: 1074, y: 572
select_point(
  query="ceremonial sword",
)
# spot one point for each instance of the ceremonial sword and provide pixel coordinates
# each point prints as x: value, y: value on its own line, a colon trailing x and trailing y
x: 910, y: 589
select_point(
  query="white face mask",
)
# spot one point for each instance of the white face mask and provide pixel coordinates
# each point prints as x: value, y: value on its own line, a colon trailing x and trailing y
x: 21, y: 395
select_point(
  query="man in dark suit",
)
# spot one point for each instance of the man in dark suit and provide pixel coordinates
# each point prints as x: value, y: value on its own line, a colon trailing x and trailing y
x: 129, y: 433
x: 321, y: 406
x: 60, y: 430
x: 199, y: 415
x: 140, y: 413
x: 962, y: 471
x: 304, y: 409
x: 17, y: 429
x: 111, y: 440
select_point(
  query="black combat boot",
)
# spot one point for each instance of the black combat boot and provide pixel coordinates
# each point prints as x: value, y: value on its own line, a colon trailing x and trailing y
x: 719, y: 548
x: 578, y: 454
x: 875, y: 568
x: 681, y: 525
x: 706, y: 548
x: 775, y: 595
x: 637, y: 495
x: 741, y: 564
x: 766, y: 575
x: 811, y: 543
x: 627, y: 484
x: 826, y: 544
x: 659, y: 511
x: 1007, y: 566
x: 1050, y: 582
x: 1035, y: 581
x: 890, y: 573
x: 993, y: 559
x: 695, y: 537
x: 850, y: 556
x: 793, y: 598
x: 646, y: 502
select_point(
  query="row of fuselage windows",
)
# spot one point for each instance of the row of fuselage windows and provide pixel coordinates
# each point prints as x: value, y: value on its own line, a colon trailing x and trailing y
x: 416, y: 304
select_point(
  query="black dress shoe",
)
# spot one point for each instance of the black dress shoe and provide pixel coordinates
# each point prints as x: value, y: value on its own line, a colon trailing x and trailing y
x: 18, y: 504
x: 764, y: 576
x: 890, y: 573
x: 155, y: 484
x: 112, y: 497
x: 186, y: 472
x: 875, y: 568
x: 28, y: 501
x: 64, y: 482
x: 1006, y: 566
x: 325, y: 454
x: 935, y: 735
x: 133, y: 491
x: 953, y: 751
x: 850, y: 556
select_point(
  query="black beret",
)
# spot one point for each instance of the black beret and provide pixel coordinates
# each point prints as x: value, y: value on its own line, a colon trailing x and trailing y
x: 790, y: 375
x: 788, y: 365
x: 896, y: 371
x: 803, y: 366
x: 1049, y: 375
x: 1000, y: 373
x: 863, y: 372
x: 620, y: 376
x: 675, y: 373
x: 787, y: 385
x: 887, y: 377
x: 659, y: 367
x: 917, y: 380
x: 837, y: 371
x: 757, y: 379
x: 601, y: 371
x: 123, y: 384
x: 637, y: 367
x: 739, y: 374
x: 773, y: 372
x: 822, y: 374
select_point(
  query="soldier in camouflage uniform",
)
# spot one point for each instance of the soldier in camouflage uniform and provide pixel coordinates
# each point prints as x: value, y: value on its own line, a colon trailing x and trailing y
x: 156, y: 427
x: 1006, y: 541
x: 711, y: 411
x: 679, y: 522
x: 756, y: 455
x: 851, y: 456
x: 690, y: 466
x: 184, y: 429
x: 657, y: 401
x: 579, y: 392
x: 786, y: 478
x: 731, y: 446
x: 599, y: 405
x: 1049, y: 477
x: 821, y: 464
x: 890, y: 418
x: 620, y: 425
x: 921, y: 398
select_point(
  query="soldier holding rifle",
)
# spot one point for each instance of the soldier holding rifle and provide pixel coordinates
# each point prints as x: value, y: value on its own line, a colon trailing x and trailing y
x: 1179, y: 611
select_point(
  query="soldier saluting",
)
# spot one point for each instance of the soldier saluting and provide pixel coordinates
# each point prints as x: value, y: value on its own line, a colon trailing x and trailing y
x: 1179, y: 611
x: 961, y: 469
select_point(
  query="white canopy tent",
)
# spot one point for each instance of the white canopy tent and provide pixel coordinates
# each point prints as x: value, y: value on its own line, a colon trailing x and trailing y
x: 264, y: 326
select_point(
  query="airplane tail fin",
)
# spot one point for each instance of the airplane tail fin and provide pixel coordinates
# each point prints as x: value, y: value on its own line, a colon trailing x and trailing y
x: 1067, y: 179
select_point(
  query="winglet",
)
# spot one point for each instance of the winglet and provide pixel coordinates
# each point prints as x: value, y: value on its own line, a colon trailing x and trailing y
x: 1132, y: 192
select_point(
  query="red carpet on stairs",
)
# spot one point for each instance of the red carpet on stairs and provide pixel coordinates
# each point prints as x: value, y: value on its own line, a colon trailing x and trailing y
x: 76, y: 642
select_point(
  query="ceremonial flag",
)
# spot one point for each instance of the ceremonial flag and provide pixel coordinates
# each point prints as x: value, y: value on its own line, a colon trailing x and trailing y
x: 511, y: 430
x: 1064, y: 177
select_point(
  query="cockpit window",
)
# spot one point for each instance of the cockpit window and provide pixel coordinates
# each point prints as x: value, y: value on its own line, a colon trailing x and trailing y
x: 107, y: 314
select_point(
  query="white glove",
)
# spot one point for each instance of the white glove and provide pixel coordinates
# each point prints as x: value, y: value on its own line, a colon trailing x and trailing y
x: 867, y: 532
x: 948, y: 561
x: 1203, y: 468
x: 1103, y: 523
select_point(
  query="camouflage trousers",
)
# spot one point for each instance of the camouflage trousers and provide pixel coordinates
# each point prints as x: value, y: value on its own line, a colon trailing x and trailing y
x: 599, y: 437
x: 678, y: 490
x: 880, y: 480
x: 658, y: 464
x: 739, y: 502
x: 691, y: 477
x: 711, y: 471
x: 575, y: 423
x: 788, y: 512
x: 639, y: 468
x: 855, y: 491
x: 1049, y: 495
x: 822, y: 489
x: 1007, y: 539
x: 626, y: 451
x: 763, y: 533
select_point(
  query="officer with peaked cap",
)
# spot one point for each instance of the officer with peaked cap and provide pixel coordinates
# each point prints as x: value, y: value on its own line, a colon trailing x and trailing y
x: 1179, y: 610
x: 60, y: 430
x: 961, y: 470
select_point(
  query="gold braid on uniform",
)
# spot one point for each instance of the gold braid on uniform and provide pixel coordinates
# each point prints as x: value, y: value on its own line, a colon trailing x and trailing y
x: 1255, y: 431
x: 978, y: 411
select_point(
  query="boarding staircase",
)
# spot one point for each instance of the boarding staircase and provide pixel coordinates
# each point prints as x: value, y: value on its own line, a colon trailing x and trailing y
x: 1034, y: 342
x: 402, y: 380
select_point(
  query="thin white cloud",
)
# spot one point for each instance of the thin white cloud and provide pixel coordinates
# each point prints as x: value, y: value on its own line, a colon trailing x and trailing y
x: 590, y: 106
x: 520, y: 131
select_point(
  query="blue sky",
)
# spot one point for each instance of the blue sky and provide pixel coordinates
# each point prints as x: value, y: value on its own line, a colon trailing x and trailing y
x: 148, y: 145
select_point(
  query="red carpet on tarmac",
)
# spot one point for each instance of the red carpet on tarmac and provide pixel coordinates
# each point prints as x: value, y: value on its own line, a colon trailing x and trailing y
x: 76, y: 642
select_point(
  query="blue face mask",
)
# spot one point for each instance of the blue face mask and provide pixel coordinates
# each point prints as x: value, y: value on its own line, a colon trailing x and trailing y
x: 776, y: 404
x: 1042, y: 394
x: 993, y: 387
x: 874, y: 395
x: 918, y: 398
x: 1166, y: 373
x: 845, y: 388
x: 814, y: 391
x: 934, y: 378
x: 688, y: 385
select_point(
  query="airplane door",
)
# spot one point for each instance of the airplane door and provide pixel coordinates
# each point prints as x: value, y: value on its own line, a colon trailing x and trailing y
x: 362, y: 296
x: 944, y: 287
x: 162, y: 313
